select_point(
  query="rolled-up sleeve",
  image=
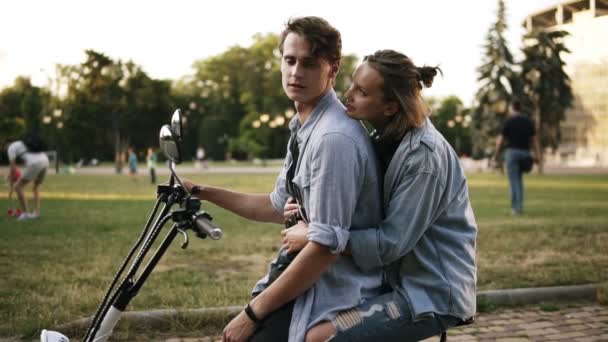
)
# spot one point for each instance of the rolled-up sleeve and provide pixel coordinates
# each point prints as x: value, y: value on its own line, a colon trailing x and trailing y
x: 336, y: 179
x: 410, y: 212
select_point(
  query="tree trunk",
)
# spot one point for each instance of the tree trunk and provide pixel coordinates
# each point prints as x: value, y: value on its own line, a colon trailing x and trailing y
x: 539, y: 134
x: 117, y: 153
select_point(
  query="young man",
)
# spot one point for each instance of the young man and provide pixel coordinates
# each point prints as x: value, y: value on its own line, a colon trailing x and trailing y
x: 519, y: 135
x: 36, y: 164
x: 331, y: 171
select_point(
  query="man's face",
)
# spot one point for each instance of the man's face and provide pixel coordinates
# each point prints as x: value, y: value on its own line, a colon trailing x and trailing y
x: 305, y: 77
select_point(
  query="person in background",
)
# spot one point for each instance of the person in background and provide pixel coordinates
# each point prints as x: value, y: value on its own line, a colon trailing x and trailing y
x: 151, y: 161
x: 132, y: 159
x: 518, y: 136
x: 36, y: 165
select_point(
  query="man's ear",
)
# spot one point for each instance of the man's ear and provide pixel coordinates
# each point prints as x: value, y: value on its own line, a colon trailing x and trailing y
x: 335, y: 68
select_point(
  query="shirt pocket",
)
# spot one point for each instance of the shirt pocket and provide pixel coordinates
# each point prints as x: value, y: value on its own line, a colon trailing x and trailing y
x: 302, y: 181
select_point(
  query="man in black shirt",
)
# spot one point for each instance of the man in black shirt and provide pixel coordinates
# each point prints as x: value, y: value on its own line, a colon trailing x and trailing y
x: 518, y: 134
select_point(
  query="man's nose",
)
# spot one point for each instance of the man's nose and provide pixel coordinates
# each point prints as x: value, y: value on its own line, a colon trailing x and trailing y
x: 297, y: 70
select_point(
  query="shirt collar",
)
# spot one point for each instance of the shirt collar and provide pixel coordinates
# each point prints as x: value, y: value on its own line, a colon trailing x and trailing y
x: 304, y: 130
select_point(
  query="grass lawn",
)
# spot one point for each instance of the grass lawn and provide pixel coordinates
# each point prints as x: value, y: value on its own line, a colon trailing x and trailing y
x: 56, y: 269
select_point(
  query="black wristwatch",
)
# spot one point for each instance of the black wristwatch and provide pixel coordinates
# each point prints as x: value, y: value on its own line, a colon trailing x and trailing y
x: 195, y: 190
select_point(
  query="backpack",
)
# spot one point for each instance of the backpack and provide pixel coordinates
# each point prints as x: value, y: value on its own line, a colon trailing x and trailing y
x: 34, y: 143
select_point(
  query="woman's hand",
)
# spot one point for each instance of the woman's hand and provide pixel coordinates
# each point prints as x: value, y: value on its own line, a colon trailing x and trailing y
x: 296, y: 237
x: 291, y: 208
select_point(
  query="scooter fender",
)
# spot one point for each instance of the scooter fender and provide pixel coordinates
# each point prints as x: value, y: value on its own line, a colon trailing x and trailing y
x: 52, y: 336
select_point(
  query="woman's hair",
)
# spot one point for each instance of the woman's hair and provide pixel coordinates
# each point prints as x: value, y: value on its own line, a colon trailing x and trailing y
x: 325, y: 41
x: 403, y: 82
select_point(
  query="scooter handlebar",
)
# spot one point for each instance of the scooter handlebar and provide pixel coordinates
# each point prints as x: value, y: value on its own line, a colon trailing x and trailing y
x: 205, y: 226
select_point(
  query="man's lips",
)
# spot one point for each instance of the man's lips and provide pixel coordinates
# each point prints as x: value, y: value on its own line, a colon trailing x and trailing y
x: 296, y: 85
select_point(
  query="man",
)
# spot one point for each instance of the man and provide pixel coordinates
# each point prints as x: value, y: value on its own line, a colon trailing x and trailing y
x: 331, y: 172
x: 518, y: 134
x: 36, y: 164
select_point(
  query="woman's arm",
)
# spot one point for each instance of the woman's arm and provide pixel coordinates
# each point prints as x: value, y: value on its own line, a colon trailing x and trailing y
x: 410, y: 212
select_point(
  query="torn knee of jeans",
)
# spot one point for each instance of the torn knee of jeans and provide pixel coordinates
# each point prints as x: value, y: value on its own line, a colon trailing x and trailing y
x: 351, y: 318
x: 347, y: 319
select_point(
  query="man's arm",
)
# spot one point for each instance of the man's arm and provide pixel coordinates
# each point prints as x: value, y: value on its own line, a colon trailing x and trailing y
x: 304, y: 271
x: 499, y: 144
x: 301, y: 274
x: 256, y: 207
x: 536, y: 148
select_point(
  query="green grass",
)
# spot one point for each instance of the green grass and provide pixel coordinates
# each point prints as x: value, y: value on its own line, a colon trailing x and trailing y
x: 56, y: 270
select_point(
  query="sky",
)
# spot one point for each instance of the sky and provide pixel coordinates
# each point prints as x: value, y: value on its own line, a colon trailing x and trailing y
x: 166, y: 37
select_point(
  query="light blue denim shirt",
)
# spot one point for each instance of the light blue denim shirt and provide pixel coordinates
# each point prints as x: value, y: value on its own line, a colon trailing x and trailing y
x: 338, y: 178
x: 427, y: 239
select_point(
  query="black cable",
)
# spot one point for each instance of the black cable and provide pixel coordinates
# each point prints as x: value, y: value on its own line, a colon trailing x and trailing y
x: 103, y: 303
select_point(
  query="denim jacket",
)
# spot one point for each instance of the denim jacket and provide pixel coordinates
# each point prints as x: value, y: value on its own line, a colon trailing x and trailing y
x: 427, y: 240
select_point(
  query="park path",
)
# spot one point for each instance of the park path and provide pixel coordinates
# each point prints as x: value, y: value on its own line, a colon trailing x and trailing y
x: 578, y: 323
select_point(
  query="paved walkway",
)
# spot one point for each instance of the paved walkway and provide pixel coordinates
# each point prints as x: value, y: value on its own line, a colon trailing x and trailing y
x: 577, y: 323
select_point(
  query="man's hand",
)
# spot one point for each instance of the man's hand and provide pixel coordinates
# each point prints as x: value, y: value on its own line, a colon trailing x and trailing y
x: 189, y: 185
x: 296, y: 237
x: 239, y: 329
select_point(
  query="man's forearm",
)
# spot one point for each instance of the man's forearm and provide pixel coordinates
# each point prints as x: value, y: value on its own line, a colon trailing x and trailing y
x: 299, y: 276
x: 251, y: 206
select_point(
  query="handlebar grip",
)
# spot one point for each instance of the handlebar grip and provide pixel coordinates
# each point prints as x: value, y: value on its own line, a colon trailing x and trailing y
x: 204, y: 225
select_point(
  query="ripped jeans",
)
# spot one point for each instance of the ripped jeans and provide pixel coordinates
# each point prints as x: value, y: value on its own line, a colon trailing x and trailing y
x: 387, y: 318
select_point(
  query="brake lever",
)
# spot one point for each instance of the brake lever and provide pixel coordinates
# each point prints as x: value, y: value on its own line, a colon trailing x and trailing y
x: 184, y: 244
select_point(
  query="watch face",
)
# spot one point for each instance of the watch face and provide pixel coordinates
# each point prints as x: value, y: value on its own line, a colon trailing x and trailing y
x: 195, y: 190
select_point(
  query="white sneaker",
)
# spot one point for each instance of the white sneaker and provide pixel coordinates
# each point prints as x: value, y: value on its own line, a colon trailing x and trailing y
x: 28, y: 216
x: 24, y: 216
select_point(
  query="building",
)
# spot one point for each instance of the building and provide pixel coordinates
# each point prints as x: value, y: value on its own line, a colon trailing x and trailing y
x: 585, y: 130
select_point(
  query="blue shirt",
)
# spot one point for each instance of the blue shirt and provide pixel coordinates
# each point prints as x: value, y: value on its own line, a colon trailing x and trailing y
x: 338, y: 177
x: 427, y: 240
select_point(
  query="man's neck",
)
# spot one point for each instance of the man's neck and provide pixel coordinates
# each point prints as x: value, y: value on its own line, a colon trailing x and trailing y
x: 305, y: 109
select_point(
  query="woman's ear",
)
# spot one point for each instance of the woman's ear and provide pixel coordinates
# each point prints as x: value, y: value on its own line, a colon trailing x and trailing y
x: 391, y: 108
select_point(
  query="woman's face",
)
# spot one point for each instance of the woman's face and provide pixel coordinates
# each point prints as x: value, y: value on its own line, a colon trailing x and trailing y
x: 365, y: 97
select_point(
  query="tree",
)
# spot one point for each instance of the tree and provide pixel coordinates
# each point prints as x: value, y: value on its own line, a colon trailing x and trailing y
x: 22, y: 107
x: 547, y: 89
x: 498, y: 83
x: 453, y: 121
x: 116, y: 102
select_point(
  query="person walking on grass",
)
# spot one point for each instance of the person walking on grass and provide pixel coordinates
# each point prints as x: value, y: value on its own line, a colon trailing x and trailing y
x: 518, y: 136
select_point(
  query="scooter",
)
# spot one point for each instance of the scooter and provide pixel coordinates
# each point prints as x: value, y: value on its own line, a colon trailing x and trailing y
x: 186, y: 216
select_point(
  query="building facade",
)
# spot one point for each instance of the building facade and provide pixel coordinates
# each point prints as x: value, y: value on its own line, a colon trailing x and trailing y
x: 585, y: 131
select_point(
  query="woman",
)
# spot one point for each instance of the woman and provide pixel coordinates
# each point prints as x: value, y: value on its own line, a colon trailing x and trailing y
x: 426, y: 241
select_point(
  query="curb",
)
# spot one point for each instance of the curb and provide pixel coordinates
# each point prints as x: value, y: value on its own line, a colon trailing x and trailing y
x: 535, y: 295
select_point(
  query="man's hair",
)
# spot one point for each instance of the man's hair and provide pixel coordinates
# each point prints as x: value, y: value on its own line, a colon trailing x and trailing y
x: 325, y: 41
